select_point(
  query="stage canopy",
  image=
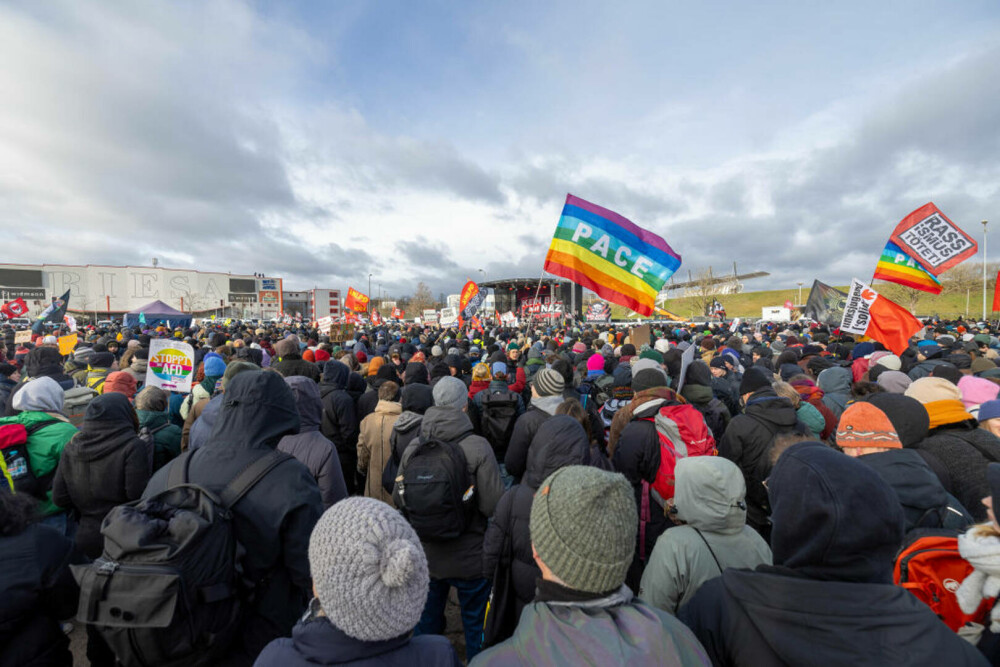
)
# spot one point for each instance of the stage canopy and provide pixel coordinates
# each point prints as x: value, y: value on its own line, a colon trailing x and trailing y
x: 155, y: 313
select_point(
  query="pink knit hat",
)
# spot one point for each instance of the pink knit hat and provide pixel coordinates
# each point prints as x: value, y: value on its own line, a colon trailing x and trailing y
x: 596, y: 363
x: 976, y: 391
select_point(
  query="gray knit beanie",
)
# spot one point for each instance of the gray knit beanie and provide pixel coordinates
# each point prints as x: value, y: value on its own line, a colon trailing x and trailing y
x: 548, y: 382
x: 369, y: 569
x: 450, y: 391
x: 583, y: 526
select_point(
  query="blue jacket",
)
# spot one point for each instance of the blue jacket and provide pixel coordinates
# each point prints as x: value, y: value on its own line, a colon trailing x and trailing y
x: 319, y: 642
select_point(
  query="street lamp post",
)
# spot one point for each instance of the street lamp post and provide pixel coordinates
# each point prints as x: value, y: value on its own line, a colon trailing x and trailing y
x: 369, y: 287
x: 800, y: 293
x: 984, y: 270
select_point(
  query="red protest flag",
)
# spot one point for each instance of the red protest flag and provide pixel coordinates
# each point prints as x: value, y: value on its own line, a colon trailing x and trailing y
x: 870, y: 314
x: 996, y: 296
x: 15, y: 308
x: 356, y: 301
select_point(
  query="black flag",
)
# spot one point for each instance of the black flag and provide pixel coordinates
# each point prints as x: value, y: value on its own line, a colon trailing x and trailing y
x: 825, y: 304
x: 54, y: 313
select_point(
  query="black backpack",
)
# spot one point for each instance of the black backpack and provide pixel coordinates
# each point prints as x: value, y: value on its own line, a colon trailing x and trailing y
x: 168, y: 589
x: 499, y: 415
x: 14, y: 448
x: 434, y: 490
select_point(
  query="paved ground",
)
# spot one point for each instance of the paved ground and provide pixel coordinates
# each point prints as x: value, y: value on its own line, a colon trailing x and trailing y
x: 78, y: 638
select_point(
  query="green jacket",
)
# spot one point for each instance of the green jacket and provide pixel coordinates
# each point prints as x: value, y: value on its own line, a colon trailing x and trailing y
x: 166, y: 436
x: 45, y: 446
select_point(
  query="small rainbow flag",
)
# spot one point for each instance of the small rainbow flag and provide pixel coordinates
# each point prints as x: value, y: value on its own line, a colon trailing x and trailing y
x: 607, y: 253
x: 896, y: 266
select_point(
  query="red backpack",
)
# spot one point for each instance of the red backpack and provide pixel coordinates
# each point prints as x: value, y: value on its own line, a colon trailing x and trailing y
x: 683, y: 432
x: 932, y: 569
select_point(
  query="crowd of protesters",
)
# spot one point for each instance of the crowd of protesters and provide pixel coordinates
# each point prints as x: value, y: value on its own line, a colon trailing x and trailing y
x: 707, y: 496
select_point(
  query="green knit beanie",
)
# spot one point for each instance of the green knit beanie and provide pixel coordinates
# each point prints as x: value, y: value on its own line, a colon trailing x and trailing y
x: 583, y: 526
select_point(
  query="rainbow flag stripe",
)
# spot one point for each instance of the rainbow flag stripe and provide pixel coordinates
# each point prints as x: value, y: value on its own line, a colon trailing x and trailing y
x: 607, y: 253
x: 896, y: 266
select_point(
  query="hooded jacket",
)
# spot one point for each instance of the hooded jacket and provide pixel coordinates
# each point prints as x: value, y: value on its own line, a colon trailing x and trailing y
x: 320, y: 642
x: 294, y: 364
x: 709, y: 497
x: 747, y: 443
x: 836, y: 385
x: 462, y: 558
x: 137, y: 369
x: 38, y: 402
x: 560, y: 442
x: 716, y: 414
x: 309, y: 446
x: 617, y: 629
x: 829, y: 599
x: 340, y: 423
x: 104, y: 465
x: 959, y: 453
x: 414, y: 402
x: 275, y: 518
x: 375, y: 449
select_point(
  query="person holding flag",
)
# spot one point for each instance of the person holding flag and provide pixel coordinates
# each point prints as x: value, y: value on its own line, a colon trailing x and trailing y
x: 55, y: 312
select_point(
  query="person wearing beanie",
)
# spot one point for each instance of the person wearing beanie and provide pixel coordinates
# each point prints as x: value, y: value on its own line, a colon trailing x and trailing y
x: 40, y: 410
x: 310, y: 446
x: 203, y: 414
x: 749, y: 435
x: 648, y: 379
x: 138, y: 365
x: 494, y: 411
x: 214, y: 367
x: 290, y: 361
x: 837, y: 529
x: 867, y: 433
x: 710, y: 504
x: 989, y: 416
x: 546, y: 395
x: 583, y: 530
x: 894, y: 382
x: 274, y: 519
x: 370, y: 584
x: 458, y: 562
x: 697, y: 391
x: 561, y: 441
x: 954, y: 448
x: 976, y: 391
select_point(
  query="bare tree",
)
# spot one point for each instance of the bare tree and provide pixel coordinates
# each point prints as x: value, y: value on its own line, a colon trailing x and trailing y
x: 704, y: 290
x: 422, y: 299
x: 905, y: 296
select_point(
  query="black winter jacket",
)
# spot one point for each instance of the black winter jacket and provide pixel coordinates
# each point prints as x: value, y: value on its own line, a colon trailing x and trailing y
x: 559, y: 442
x: 340, y: 423
x: 516, y: 458
x: 742, y: 618
x: 310, y: 447
x: 37, y: 590
x: 275, y: 518
x: 712, y: 409
x: 959, y: 454
x: 747, y: 443
x: 104, y: 465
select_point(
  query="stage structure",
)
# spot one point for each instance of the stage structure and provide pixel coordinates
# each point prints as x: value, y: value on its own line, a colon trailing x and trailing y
x: 555, y: 299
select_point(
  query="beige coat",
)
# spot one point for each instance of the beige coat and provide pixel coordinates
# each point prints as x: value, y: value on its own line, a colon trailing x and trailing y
x: 374, y: 448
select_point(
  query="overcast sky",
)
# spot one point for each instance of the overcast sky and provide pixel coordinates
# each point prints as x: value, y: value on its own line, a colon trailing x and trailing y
x: 323, y: 141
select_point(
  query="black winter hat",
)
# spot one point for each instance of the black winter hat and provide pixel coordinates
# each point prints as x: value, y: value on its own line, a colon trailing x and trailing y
x: 648, y: 378
x: 717, y: 362
x: 698, y: 374
x: 907, y: 414
x: 102, y: 360
x: 754, y: 379
x: 948, y: 371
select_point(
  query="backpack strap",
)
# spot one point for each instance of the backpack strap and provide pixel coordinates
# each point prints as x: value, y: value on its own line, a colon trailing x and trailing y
x: 179, y: 470
x: 38, y: 426
x: 250, y: 475
x: 710, y: 550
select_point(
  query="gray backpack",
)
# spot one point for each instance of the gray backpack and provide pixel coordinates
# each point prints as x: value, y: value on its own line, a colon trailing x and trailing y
x: 168, y: 589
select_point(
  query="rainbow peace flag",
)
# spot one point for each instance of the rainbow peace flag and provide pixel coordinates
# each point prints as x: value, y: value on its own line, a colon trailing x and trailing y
x: 606, y: 253
x: 896, y: 266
